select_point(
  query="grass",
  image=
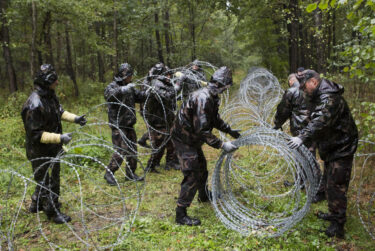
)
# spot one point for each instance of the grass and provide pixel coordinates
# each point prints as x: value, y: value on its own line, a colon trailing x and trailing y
x: 154, y: 227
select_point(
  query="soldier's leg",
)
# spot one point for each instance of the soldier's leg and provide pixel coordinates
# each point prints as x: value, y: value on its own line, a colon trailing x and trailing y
x: 143, y: 140
x: 41, y: 177
x: 131, y: 157
x: 321, y: 194
x: 188, y: 158
x: 204, y: 194
x: 157, y: 140
x: 117, y: 157
x: 171, y: 157
x: 338, y: 178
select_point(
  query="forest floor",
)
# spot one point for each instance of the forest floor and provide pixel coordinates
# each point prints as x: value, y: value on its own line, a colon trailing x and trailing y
x: 153, y: 227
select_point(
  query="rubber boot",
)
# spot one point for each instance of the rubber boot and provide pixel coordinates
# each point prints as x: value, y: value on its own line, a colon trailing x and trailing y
x: 335, y: 229
x: 108, y: 176
x: 183, y: 219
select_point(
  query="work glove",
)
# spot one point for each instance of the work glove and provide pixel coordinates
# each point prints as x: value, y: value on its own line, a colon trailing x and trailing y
x: 203, y: 83
x: 66, y: 138
x: 81, y: 120
x: 235, y: 133
x: 295, y: 142
x: 277, y: 128
x: 229, y: 147
x: 126, y: 88
x: 179, y: 74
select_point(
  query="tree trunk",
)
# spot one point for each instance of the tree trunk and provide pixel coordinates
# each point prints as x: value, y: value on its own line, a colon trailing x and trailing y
x: 157, y: 35
x: 33, y: 38
x: 5, y: 41
x: 99, y: 56
x: 192, y: 29
x: 115, y: 58
x: 47, y: 37
x: 320, y: 63
x: 166, y: 34
x: 69, y: 63
x: 293, y: 35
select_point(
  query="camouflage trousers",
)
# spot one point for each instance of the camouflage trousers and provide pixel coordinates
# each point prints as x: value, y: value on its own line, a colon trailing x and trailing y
x: 125, y: 143
x: 194, y: 168
x: 44, y: 179
x: 336, y: 179
x: 158, y: 137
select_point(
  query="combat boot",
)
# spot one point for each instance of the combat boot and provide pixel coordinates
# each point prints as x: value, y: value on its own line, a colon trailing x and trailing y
x: 52, y: 210
x: 183, y: 219
x: 335, y: 229
x: 132, y: 176
x: 108, y: 176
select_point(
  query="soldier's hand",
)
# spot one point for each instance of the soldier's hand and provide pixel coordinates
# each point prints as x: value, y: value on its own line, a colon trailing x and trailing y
x: 277, y: 128
x: 295, y: 142
x: 235, y: 133
x: 179, y: 74
x: 66, y: 138
x: 229, y: 147
x: 203, y: 83
x: 80, y: 120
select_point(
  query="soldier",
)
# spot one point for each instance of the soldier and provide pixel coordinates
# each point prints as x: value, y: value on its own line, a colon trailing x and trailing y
x: 191, y: 79
x: 294, y: 107
x: 42, y: 115
x: 333, y: 129
x: 192, y: 128
x: 159, y: 115
x: 122, y: 96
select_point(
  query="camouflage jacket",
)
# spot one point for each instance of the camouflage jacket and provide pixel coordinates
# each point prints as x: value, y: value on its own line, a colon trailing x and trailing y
x: 121, y: 106
x: 197, y: 117
x: 41, y: 113
x: 161, y: 104
x: 294, y: 107
x: 331, y: 126
x: 190, y: 81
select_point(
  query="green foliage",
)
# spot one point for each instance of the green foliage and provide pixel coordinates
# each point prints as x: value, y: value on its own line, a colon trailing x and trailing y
x: 13, y: 105
x: 365, y: 120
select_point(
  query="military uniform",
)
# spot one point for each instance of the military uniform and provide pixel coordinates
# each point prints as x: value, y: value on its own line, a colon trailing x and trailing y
x: 190, y: 81
x: 159, y: 115
x: 122, y: 117
x: 193, y: 127
x: 333, y: 128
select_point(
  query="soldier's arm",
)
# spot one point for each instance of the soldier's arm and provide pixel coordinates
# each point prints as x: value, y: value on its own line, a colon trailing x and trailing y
x: 112, y: 93
x: 202, y: 121
x: 324, y: 116
x: 162, y: 91
x: 284, y: 109
x: 34, y: 125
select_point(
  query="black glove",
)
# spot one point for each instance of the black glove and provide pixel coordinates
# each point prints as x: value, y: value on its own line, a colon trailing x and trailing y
x: 235, y: 133
x: 80, y: 120
x: 66, y: 138
x: 277, y: 128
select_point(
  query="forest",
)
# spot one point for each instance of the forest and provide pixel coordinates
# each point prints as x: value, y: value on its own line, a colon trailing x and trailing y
x: 86, y: 41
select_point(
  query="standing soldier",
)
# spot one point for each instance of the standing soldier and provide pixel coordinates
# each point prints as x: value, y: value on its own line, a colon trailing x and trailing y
x: 191, y: 79
x: 42, y: 115
x: 294, y: 106
x: 159, y: 116
x: 192, y: 128
x: 121, y: 96
x: 333, y: 129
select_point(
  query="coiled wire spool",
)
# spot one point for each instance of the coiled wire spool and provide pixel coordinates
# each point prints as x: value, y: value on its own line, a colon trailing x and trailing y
x: 249, y: 195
